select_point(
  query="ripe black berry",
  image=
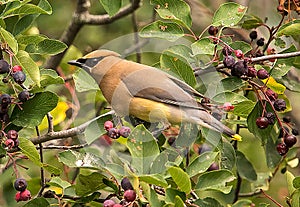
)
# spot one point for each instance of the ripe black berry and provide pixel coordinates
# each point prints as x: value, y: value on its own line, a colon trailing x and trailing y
x: 124, y: 131
x: 262, y: 122
x: 204, y: 148
x: 19, y: 77
x: 271, y: 117
x: 24, y: 96
x: 213, y: 166
x: 12, y: 134
x: 113, y: 133
x: 226, y: 51
x: 253, y: 35
x: 108, y: 203
x: 260, y: 41
x: 4, y: 66
x: 5, y: 100
x: 229, y: 61
x: 129, y: 195
x: 271, y: 94
x: 252, y: 72
x: 212, y: 30
x: 290, y: 140
x: 239, y: 69
x: 125, y: 184
x: 262, y: 74
x: 279, y: 105
x: 287, y: 119
x: 282, y: 149
x: 295, y: 132
x: 20, y: 184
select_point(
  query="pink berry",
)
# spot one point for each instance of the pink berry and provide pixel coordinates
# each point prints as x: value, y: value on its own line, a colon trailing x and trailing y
x: 108, y: 203
x: 239, y: 54
x: 23, y: 195
x: 18, y: 196
x: 108, y: 125
x: 129, y: 195
x: 117, y: 205
x: 9, y: 143
x: 16, y: 68
x: 227, y: 106
x: 12, y: 134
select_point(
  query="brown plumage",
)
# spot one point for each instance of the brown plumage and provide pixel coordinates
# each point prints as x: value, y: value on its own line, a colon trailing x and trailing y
x: 146, y: 92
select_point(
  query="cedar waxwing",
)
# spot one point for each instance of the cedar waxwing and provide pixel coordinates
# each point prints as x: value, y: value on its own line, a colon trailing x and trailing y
x: 146, y: 92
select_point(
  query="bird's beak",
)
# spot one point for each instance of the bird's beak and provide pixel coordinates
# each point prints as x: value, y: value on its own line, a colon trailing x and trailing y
x: 75, y: 63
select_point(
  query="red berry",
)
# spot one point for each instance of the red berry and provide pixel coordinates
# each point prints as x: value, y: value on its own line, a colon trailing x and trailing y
x: 12, y: 134
x: 20, y: 184
x: 227, y: 106
x: 252, y: 72
x: 129, y: 195
x: 271, y: 94
x: 108, y: 203
x: 117, y: 205
x: 18, y: 196
x: 239, y: 54
x: 17, y: 68
x: 108, y: 125
x: 282, y: 149
x: 262, y: 74
x: 23, y: 195
x: 262, y: 122
x: 271, y: 51
x: 290, y: 140
x: 9, y: 143
x: 105, y: 140
x: 124, y: 131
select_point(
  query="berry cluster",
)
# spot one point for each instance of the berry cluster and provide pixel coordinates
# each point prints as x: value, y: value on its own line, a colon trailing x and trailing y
x: 11, y: 139
x: 129, y: 195
x: 114, y: 132
x: 23, y: 194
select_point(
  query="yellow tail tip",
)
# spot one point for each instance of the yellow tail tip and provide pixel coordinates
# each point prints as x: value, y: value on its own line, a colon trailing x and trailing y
x: 237, y: 137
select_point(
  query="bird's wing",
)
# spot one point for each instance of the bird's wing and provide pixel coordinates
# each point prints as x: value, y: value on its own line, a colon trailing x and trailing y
x: 157, y: 85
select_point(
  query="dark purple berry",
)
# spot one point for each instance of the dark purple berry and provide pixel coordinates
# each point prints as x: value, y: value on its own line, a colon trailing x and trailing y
x: 113, y: 133
x: 295, y: 132
x: 108, y: 125
x: 4, y: 117
x: 229, y: 61
x: 226, y: 51
x: 262, y: 74
x: 213, y: 166
x: 212, y: 30
x: 260, y: 42
x: 129, y: 195
x: 12, y: 134
x: 5, y: 100
x: 23, y: 96
x: 282, y: 149
x: 262, y: 122
x: 239, y: 69
x: 204, y: 148
x: 253, y: 35
x: 126, y: 184
x: 19, y: 77
x: 17, y: 142
x: 124, y: 131
x: 287, y: 119
x: 171, y: 141
x: 4, y: 66
x: 252, y: 72
x: 279, y: 105
x: 108, y: 203
x: 290, y: 140
x: 271, y: 117
x: 20, y: 184
x: 271, y: 94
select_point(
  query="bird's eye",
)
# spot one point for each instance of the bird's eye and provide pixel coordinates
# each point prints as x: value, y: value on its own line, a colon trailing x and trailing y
x: 91, y: 62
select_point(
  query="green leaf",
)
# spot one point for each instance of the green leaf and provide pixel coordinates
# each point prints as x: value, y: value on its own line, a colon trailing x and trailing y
x: 279, y: 42
x: 182, y: 52
x: 208, y: 202
x: 272, y: 156
x: 84, y: 82
x: 111, y: 7
x: 228, y: 14
x: 291, y: 28
x: 26, y: 9
x: 95, y: 129
x: 172, y: 193
x: 169, y: 31
x: 229, y: 84
x: 8, y: 38
x: 29, y: 149
x: 201, y: 163
x: 29, y: 66
x: 204, y: 46
x: 187, y: 135
x: 143, y: 149
x: 178, y: 66
x: 231, y: 97
x: 228, y: 156
x: 215, y: 180
x: 47, y: 47
x: 243, y: 108
x: 178, y: 202
x: 58, y: 182
x: 243, y: 203
x: 241, y: 45
x: 34, y: 110
x: 251, y: 21
x: 181, y: 179
x: 48, y: 77
x: 245, y: 168
x: 40, y: 201
x: 24, y: 23
x: 78, y: 159
x: 174, y: 10
x: 86, y: 184
x: 155, y: 179
x: 289, y: 179
x: 296, y: 182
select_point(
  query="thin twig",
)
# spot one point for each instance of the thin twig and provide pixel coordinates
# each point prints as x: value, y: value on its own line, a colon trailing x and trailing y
x: 42, y: 161
x: 269, y: 197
